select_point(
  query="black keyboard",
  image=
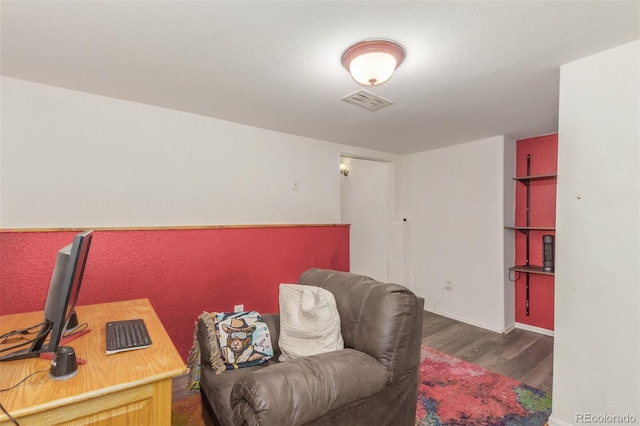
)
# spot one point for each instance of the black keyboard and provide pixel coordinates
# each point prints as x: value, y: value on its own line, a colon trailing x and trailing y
x: 126, y: 336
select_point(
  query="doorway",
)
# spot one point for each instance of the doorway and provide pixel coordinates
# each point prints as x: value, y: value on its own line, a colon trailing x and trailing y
x: 364, y: 203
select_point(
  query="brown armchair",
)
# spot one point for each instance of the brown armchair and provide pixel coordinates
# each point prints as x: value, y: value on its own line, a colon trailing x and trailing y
x: 372, y: 381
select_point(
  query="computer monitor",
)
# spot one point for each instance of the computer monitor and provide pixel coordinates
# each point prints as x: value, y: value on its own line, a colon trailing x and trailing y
x: 64, y: 289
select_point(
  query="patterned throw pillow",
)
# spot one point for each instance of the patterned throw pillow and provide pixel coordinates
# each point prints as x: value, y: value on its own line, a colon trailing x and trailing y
x: 244, y: 339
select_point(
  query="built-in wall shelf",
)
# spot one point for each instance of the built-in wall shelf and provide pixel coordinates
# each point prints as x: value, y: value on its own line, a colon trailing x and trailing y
x: 530, y: 270
x: 527, y: 269
x: 531, y: 228
x: 526, y: 179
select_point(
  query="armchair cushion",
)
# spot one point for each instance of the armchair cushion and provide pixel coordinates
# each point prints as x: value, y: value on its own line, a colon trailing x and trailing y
x: 375, y: 317
x: 306, y: 388
x: 309, y: 321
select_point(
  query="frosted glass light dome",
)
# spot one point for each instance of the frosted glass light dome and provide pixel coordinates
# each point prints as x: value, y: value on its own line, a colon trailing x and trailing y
x: 373, y: 62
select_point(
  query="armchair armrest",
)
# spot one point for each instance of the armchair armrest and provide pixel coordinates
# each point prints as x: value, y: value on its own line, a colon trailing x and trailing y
x: 298, y: 391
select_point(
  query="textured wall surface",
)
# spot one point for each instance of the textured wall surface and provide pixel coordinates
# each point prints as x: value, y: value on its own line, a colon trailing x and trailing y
x: 544, y: 158
x: 182, y: 272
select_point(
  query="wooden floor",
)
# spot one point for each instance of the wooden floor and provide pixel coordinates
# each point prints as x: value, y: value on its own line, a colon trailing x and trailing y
x: 519, y: 354
x: 522, y: 355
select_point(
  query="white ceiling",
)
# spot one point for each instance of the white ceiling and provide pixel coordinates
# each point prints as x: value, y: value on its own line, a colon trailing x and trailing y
x: 473, y: 69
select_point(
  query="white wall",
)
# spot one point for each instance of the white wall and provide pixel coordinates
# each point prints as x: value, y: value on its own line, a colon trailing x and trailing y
x: 597, y: 323
x: 72, y: 159
x: 454, y: 201
x: 509, y: 244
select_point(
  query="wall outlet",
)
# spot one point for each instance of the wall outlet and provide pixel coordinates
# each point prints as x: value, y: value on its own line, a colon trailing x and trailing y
x: 238, y: 308
x: 448, y: 285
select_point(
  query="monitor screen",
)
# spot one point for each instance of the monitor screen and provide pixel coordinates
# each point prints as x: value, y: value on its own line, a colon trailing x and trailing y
x: 62, y: 297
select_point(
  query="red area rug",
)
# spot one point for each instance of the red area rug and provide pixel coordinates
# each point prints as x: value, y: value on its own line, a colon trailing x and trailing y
x: 453, y: 392
x: 187, y: 411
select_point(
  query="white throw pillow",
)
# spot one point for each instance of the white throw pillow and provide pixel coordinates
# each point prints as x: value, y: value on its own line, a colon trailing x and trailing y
x: 309, y: 321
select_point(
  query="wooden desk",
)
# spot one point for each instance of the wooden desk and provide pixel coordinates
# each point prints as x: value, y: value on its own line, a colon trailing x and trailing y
x: 132, y: 387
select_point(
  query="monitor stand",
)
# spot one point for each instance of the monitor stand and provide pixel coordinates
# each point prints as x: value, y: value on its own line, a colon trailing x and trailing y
x: 37, y: 347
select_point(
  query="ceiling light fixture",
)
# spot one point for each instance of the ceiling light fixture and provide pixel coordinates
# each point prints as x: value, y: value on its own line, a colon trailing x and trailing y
x: 372, y: 62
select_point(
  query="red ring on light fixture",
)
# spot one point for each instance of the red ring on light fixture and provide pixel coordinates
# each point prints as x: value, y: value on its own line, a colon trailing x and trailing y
x: 389, y: 47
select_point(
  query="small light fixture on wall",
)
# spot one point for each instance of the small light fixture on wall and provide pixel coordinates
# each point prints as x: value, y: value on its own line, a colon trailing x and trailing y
x: 344, y: 169
x: 372, y: 62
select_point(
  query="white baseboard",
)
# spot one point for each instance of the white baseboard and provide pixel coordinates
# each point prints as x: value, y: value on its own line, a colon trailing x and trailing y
x: 535, y: 329
x: 505, y: 330
x: 554, y: 421
x: 463, y: 319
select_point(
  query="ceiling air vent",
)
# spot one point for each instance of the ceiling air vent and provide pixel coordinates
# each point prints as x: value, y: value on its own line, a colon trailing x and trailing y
x: 367, y: 100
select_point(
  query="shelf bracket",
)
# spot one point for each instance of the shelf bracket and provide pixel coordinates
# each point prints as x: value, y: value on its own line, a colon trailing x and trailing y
x: 527, y: 233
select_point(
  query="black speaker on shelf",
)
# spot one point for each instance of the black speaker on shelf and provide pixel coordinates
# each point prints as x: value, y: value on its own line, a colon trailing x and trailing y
x: 547, y: 253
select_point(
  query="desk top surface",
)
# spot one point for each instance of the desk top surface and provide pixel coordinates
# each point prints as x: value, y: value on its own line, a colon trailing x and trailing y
x: 102, y: 374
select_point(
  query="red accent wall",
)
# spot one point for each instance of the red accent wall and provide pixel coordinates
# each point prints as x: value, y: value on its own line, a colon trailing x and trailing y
x: 544, y: 160
x: 182, y: 272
